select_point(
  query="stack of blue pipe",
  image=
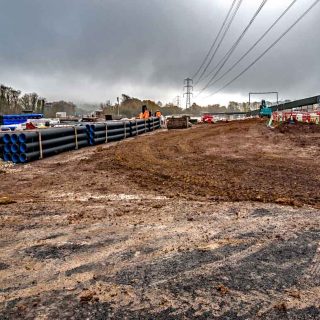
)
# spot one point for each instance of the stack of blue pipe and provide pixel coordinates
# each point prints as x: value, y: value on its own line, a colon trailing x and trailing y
x: 25, y: 146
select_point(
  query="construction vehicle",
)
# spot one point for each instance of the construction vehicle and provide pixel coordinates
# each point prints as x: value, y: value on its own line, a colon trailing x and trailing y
x: 207, y: 118
x: 265, y: 111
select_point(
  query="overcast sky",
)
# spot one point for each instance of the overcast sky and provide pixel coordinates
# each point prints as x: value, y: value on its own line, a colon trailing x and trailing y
x: 95, y: 50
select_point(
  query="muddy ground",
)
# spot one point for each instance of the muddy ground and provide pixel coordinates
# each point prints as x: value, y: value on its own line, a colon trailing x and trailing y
x: 213, y: 222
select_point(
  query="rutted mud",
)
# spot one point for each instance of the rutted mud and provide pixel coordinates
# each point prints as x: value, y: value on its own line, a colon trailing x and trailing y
x: 240, y: 161
x: 104, y: 235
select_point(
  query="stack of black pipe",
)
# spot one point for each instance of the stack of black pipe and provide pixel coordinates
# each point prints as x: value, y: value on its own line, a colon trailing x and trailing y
x: 27, y: 146
x: 108, y: 131
x: 32, y: 145
x: 142, y: 126
x: 117, y: 130
x: 154, y: 124
x: 1, y: 145
x: 8, y: 143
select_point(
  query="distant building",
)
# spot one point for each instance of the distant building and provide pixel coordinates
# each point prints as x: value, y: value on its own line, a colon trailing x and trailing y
x: 47, y: 107
x: 61, y: 115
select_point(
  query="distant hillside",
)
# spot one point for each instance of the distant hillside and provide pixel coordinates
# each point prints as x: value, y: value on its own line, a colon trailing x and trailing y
x: 131, y: 107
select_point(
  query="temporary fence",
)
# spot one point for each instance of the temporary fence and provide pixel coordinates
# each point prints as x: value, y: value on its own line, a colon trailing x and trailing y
x: 295, y: 116
x: 26, y: 146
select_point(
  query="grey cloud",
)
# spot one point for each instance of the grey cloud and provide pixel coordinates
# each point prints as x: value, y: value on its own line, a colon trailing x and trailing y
x: 93, y: 50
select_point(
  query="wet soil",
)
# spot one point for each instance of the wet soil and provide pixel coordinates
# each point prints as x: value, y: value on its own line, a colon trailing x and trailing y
x: 238, y: 161
x: 213, y: 222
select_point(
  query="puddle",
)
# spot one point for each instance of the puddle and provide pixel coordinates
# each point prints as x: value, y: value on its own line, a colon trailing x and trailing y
x: 109, y: 197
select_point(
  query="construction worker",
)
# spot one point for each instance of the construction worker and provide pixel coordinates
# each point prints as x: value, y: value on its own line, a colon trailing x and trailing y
x: 158, y: 114
x: 146, y: 114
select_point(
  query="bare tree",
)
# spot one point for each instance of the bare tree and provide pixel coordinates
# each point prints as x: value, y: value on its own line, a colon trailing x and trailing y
x: 9, y: 99
x: 25, y: 101
x: 125, y: 97
x: 33, y: 98
x: 40, y: 105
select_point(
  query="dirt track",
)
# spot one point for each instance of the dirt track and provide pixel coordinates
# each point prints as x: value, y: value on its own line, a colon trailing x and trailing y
x: 234, y: 162
x: 178, y: 225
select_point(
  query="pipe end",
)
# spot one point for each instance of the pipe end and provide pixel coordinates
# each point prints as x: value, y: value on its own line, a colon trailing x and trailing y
x: 23, y: 158
x: 14, y: 138
x: 22, y: 138
x: 14, y: 148
x: 15, y: 158
x: 7, y: 156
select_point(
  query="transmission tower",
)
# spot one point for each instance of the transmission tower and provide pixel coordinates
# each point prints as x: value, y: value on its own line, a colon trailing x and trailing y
x: 188, y: 87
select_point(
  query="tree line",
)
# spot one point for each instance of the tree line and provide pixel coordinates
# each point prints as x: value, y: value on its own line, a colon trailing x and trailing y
x: 131, y: 107
x: 11, y: 101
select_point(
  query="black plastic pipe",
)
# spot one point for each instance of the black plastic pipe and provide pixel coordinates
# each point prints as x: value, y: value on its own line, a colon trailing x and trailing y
x: 7, y: 156
x: 15, y: 158
x: 1, y: 145
x: 117, y: 131
x: 14, y: 148
x: 6, y: 138
x: 26, y: 157
x: 63, y: 139
x: 7, y: 148
x: 50, y: 133
x: 14, y: 138
x: 98, y: 134
x: 109, y: 125
x: 34, y: 146
x: 111, y: 138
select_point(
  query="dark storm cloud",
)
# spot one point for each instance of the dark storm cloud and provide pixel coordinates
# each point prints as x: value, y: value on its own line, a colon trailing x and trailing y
x: 93, y: 50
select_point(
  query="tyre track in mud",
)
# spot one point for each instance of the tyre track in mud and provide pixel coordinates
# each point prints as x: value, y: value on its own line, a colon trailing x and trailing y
x: 90, y: 238
x: 238, y: 161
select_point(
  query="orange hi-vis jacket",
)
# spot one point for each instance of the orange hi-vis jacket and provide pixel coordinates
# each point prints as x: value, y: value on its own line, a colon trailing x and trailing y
x: 158, y: 114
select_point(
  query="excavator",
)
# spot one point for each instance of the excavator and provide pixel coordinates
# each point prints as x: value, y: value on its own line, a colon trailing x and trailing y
x: 265, y: 111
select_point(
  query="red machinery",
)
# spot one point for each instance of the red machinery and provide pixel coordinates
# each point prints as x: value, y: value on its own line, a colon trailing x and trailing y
x: 207, y: 118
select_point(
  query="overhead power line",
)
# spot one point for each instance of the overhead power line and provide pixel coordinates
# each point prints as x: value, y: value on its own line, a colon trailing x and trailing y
x: 268, y: 49
x: 224, y: 57
x: 255, y: 44
x: 216, y: 39
x: 235, y: 45
x: 220, y: 42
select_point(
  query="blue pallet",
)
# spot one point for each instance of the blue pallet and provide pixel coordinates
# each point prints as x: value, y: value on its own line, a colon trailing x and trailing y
x: 9, y: 119
x: 23, y: 115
